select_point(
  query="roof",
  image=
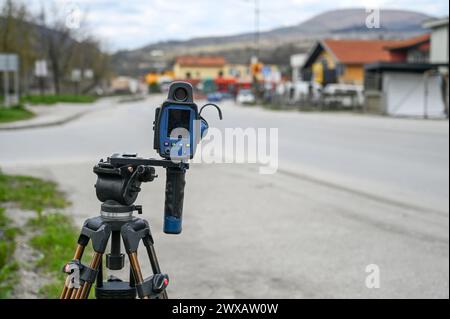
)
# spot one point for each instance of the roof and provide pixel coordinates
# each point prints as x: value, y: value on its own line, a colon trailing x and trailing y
x: 201, y: 61
x: 359, y: 51
x: 419, y: 41
x: 436, y: 23
x: 401, y: 67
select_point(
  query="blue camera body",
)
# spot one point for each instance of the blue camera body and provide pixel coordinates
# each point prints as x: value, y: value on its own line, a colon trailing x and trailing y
x: 178, y: 125
x: 177, y: 132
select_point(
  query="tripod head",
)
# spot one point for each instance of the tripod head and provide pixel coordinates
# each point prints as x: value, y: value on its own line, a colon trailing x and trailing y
x: 119, y: 180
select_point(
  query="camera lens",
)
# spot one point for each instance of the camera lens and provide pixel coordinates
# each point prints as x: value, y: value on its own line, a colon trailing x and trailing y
x: 180, y: 94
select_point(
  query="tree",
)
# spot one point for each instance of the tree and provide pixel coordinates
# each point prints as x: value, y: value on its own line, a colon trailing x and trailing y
x: 89, y: 56
x: 68, y: 48
x: 58, y: 44
x: 17, y: 35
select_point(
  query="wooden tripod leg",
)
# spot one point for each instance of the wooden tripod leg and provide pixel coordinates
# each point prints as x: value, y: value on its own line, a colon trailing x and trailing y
x: 136, y: 268
x: 83, y: 292
x: 67, y: 292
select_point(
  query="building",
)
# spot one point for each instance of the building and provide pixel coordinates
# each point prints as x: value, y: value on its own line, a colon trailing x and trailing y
x: 412, y: 50
x: 297, y: 61
x: 415, y: 81
x: 439, y: 40
x: 439, y: 51
x: 124, y: 85
x: 238, y: 71
x: 404, y: 89
x: 342, y: 61
x: 199, y: 67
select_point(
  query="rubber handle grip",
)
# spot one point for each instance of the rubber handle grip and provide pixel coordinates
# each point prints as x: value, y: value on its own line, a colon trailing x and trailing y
x: 173, y: 206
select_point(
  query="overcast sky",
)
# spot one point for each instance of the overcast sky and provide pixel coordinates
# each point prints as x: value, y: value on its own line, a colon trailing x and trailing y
x: 133, y: 23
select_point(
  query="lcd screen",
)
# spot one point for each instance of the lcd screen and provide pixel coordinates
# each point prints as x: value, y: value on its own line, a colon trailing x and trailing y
x: 179, y: 119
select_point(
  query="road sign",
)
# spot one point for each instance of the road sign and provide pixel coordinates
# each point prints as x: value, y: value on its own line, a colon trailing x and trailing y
x: 88, y: 74
x: 9, y: 62
x: 40, y: 69
x: 76, y: 75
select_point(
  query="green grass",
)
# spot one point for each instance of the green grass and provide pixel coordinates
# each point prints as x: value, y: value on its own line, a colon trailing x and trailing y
x: 56, y: 239
x: 53, y: 99
x: 31, y: 193
x: 8, y: 267
x: 55, y: 236
x: 16, y: 113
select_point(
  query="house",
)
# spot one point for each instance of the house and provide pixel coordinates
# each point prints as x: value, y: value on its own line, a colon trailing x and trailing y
x: 439, y: 40
x: 412, y: 50
x: 404, y: 89
x: 199, y: 67
x: 439, y: 51
x: 124, y: 85
x: 342, y: 61
x: 238, y: 71
x: 411, y: 83
x: 297, y: 61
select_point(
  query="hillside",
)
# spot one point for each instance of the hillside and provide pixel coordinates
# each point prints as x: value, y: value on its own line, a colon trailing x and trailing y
x: 276, y: 45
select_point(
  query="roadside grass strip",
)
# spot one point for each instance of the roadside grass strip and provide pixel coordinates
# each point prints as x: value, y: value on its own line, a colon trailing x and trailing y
x: 54, y: 236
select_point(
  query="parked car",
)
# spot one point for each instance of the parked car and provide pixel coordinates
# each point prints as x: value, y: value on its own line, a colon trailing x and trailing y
x: 215, y: 97
x: 227, y: 96
x: 245, y: 97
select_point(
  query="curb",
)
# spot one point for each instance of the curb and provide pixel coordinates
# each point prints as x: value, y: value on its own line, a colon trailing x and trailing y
x: 47, y: 124
x: 12, y: 127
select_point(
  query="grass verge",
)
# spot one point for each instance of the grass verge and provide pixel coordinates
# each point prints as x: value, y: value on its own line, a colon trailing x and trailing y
x: 53, y: 99
x: 56, y: 239
x: 15, y: 113
x: 30, y: 193
x: 54, y: 234
x: 8, y: 267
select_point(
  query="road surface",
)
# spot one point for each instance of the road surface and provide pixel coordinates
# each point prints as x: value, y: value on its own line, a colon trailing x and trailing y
x: 350, y: 191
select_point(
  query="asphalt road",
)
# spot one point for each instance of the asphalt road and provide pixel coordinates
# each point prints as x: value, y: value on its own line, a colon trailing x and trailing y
x: 350, y: 191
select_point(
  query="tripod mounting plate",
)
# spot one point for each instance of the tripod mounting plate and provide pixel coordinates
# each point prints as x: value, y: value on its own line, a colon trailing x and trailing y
x: 111, y: 210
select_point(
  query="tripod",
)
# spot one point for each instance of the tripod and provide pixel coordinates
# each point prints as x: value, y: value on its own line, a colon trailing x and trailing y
x: 117, y: 186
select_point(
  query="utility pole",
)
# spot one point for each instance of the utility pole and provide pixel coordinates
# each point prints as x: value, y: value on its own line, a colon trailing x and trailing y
x: 257, y: 27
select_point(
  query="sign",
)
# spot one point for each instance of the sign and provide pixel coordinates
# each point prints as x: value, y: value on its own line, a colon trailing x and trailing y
x: 9, y: 62
x: 76, y: 75
x: 88, y: 74
x: 40, y: 69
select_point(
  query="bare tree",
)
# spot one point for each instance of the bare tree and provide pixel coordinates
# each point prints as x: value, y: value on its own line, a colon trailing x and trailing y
x: 17, y: 35
x: 57, y: 42
x: 89, y: 56
x: 67, y: 48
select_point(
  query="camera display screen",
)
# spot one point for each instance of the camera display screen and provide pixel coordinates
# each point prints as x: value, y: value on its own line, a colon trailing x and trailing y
x: 179, y: 119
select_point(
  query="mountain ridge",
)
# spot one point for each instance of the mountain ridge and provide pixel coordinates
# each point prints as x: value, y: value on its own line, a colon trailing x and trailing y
x: 340, y: 23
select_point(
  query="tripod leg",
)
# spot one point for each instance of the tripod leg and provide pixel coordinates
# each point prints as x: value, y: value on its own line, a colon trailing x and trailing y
x: 148, y: 243
x: 83, y: 292
x: 136, y: 268
x: 67, y: 292
x: 132, y: 233
x: 98, y: 232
